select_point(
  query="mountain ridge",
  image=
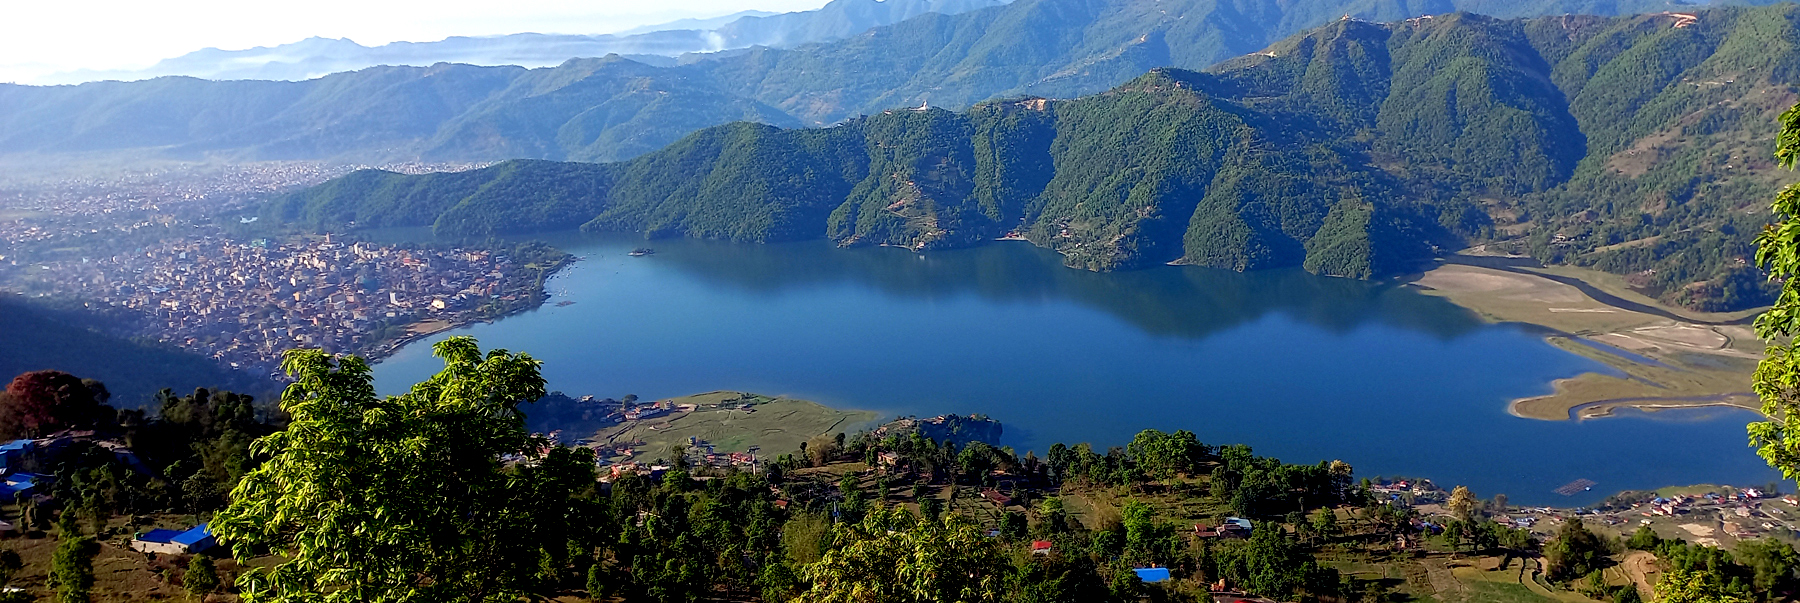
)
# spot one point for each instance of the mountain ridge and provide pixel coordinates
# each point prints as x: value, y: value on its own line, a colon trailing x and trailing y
x: 1355, y: 149
x: 316, y: 57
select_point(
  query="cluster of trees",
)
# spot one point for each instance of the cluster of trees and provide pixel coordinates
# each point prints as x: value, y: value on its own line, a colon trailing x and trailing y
x: 441, y: 494
x: 182, y: 456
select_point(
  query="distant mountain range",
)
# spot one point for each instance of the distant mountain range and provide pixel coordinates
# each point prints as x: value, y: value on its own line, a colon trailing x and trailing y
x: 614, y: 108
x: 315, y: 57
x: 1638, y: 145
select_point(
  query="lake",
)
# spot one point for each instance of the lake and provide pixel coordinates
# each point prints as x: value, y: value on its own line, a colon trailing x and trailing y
x: 1300, y: 367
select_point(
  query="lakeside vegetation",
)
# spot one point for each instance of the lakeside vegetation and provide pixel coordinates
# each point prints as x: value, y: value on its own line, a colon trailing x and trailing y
x: 452, y: 492
x: 1339, y: 150
x: 733, y: 422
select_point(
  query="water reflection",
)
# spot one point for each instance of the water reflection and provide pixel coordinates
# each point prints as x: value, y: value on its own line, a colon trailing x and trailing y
x: 1186, y: 301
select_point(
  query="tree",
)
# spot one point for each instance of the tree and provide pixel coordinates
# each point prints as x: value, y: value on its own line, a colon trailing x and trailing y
x: 1462, y: 503
x: 931, y: 508
x: 1777, y: 378
x: 202, y: 577
x: 72, y: 565
x: 1644, y: 539
x: 1324, y: 523
x: 410, y: 497
x: 1013, y: 526
x: 892, y: 556
x: 1680, y: 585
x: 1140, y: 527
x: 39, y: 403
x: 1574, y: 551
x: 1774, y: 564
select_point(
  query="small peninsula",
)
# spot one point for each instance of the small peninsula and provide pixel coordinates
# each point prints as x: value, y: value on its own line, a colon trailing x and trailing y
x: 1665, y: 357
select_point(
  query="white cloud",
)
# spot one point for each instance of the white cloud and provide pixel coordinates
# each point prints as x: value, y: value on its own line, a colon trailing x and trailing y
x: 38, y: 37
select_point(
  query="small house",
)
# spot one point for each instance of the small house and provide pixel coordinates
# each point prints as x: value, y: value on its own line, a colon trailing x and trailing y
x: 198, y: 539
x: 1040, y: 547
x: 1152, y: 574
x: 22, y: 484
x: 13, y: 453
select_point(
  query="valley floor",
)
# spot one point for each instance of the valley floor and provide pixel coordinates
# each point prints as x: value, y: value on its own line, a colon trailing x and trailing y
x: 1661, y: 357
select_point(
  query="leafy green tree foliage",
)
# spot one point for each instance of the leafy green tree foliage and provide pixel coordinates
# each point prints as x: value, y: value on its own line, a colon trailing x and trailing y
x: 200, y: 442
x: 892, y: 556
x: 1323, y: 523
x: 1164, y: 455
x: 1273, y: 564
x: 1047, y: 579
x: 201, y: 578
x: 1256, y: 486
x: 1710, y: 567
x: 1694, y: 586
x: 1644, y: 539
x: 1777, y: 379
x: 409, y: 497
x: 1574, y: 552
x: 72, y: 564
x: 1774, y: 567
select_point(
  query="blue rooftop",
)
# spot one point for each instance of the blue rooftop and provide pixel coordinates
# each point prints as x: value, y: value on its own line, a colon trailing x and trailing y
x: 197, y: 534
x: 15, y: 445
x: 1152, y: 574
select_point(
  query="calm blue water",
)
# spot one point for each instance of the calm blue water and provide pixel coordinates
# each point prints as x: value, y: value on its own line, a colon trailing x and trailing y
x: 1301, y: 367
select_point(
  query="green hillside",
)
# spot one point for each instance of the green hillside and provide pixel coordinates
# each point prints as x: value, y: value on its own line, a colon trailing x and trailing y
x: 1356, y: 149
x: 132, y: 370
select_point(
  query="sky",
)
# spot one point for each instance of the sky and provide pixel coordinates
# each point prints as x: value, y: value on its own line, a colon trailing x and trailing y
x: 41, y: 37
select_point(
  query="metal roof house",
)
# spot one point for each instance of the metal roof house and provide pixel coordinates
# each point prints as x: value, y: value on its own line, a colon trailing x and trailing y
x: 197, y: 539
x: 1152, y: 574
x: 21, y: 484
x: 13, y: 453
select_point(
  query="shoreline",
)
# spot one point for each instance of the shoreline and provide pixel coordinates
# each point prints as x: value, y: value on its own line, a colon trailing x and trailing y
x: 386, y: 348
x: 1659, y: 358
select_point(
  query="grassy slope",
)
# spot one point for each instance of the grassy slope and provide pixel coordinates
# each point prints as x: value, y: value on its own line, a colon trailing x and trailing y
x: 778, y: 425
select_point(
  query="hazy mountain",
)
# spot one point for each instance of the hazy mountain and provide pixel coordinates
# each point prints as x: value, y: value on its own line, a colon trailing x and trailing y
x: 1051, y: 48
x: 705, y: 23
x: 587, y: 109
x: 1061, y: 48
x: 1633, y: 144
x: 315, y: 57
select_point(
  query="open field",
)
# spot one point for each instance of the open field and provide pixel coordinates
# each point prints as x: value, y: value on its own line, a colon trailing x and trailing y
x: 776, y: 425
x: 1665, y: 357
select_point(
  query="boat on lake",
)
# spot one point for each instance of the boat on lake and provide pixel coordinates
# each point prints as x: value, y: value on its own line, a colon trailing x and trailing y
x: 641, y: 252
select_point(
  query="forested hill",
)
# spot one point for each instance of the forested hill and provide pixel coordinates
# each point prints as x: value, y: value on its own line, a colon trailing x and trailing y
x: 614, y: 109
x: 1635, y: 144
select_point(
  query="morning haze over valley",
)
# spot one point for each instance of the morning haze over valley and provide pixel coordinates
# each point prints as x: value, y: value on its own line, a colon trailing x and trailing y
x: 871, y: 301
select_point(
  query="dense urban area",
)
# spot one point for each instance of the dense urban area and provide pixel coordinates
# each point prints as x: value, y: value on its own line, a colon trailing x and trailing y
x: 158, y: 255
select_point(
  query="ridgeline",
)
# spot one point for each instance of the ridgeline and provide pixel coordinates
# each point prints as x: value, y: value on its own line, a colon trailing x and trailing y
x: 1632, y: 144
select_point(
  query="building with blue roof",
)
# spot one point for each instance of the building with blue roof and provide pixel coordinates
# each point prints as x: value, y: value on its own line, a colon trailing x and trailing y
x: 13, y: 453
x: 1152, y: 574
x: 22, y: 484
x: 198, y: 539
